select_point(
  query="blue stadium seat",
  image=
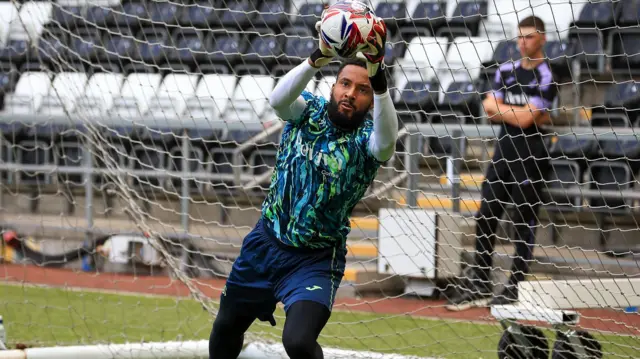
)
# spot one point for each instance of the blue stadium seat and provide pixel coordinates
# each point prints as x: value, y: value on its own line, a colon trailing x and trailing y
x: 263, y: 46
x: 8, y: 80
x: 52, y: 46
x: 559, y: 55
x: 625, y: 51
x: 430, y: 14
x: 163, y: 12
x: 309, y: 13
x: 100, y: 15
x: 506, y: 51
x: 628, y: 13
x: 238, y: 14
x: 394, y: 13
x: 597, y: 14
x: 299, y: 44
x: 463, y: 99
x: 15, y: 51
x: 131, y: 15
x: 273, y: 14
x: 416, y: 96
x: 68, y: 17
x: 467, y: 16
x: 565, y: 175
x: 588, y: 46
x: 568, y: 147
x: 119, y: 46
x: 621, y: 104
x: 191, y: 46
x: 84, y: 44
x: 200, y: 14
x: 226, y: 47
x: 612, y: 176
x: 152, y: 45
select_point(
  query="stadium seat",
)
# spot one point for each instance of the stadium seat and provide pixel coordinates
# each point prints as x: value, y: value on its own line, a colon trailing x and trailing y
x: 273, y: 14
x: 462, y: 98
x: 170, y: 101
x: 263, y: 161
x: 84, y: 45
x: 264, y: 47
x: 8, y: 79
x: 101, y: 12
x: 69, y: 13
x: 237, y: 14
x: 152, y: 45
x: 190, y: 45
x: 29, y: 92
x: 33, y: 17
x: 163, y: 12
x: 250, y: 102
x: 34, y: 151
x: 559, y: 56
x: 212, y: 98
x: 466, y: 16
x: 220, y: 163
x: 612, y: 176
x: 52, y: 47
x: 421, y: 59
x: 130, y: 15
x: 564, y: 175
x: 65, y: 90
x: 621, y: 104
x: 393, y: 12
x: 625, y: 51
x: 429, y: 13
x: 306, y: 12
x: 8, y: 15
x: 200, y: 15
x: 226, y: 47
x: 569, y: 147
x: 589, y: 48
x: 506, y: 51
x: 298, y: 45
x: 502, y: 19
x: 99, y: 93
x: 134, y: 99
x: 558, y: 16
x: 415, y: 99
x: 466, y: 58
x: 195, y: 164
x: 597, y: 15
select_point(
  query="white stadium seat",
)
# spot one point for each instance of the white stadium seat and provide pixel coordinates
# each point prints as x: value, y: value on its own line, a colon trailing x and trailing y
x: 8, y: 16
x: 99, y: 93
x: 27, y: 97
x: 64, y: 91
x: 171, y: 99
x: 465, y: 59
x: 250, y: 100
x: 420, y: 62
x: 211, y: 99
x: 137, y: 91
x: 33, y: 16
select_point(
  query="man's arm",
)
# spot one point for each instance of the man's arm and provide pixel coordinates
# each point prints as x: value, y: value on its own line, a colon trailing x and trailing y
x: 286, y: 97
x: 518, y: 116
x: 382, y: 143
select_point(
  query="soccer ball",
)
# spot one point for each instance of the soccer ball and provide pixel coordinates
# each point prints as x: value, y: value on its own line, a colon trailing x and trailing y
x: 345, y: 27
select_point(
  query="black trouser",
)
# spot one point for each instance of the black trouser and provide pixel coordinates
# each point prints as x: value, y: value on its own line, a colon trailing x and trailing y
x: 509, y: 182
x: 305, y: 320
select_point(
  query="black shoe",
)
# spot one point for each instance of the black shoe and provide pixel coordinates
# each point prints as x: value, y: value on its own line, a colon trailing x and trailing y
x: 471, y: 294
x: 508, y: 296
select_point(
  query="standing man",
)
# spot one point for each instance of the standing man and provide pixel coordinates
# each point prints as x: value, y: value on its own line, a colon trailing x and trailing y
x: 329, y: 155
x: 523, y: 94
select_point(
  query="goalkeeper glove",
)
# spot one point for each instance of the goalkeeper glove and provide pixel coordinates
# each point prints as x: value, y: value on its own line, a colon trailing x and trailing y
x: 322, y: 55
x: 377, y: 40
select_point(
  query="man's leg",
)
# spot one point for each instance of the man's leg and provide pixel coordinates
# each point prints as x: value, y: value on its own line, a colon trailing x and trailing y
x: 227, y: 335
x: 305, y: 320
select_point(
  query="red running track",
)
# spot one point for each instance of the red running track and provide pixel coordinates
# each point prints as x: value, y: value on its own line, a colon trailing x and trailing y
x: 607, y: 320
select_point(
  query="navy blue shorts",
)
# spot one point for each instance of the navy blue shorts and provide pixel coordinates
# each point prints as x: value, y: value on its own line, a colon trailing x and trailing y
x: 268, y: 271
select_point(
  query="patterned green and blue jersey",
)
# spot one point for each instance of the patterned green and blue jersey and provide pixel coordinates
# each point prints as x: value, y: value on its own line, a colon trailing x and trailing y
x: 320, y: 174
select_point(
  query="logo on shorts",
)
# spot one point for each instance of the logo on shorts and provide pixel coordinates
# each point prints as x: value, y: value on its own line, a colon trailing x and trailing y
x: 315, y: 287
x: 224, y: 290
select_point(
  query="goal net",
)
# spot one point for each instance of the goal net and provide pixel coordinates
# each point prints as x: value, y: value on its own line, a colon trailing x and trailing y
x: 138, y: 144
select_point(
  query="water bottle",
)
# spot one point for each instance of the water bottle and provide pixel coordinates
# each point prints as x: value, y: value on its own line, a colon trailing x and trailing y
x: 3, y: 335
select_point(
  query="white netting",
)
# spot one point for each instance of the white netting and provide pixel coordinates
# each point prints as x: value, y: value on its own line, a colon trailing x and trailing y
x: 140, y: 132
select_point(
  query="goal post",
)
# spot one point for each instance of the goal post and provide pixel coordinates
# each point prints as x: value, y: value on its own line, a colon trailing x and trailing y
x: 137, y: 145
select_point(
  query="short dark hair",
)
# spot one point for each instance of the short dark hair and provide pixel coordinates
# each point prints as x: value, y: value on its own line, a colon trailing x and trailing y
x: 357, y: 61
x: 532, y: 21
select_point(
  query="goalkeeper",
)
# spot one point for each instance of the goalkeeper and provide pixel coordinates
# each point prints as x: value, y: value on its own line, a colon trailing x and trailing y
x: 523, y: 92
x: 330, y: 152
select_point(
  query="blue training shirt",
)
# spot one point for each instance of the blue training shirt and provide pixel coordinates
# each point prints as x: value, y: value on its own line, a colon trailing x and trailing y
x: 321, y: 173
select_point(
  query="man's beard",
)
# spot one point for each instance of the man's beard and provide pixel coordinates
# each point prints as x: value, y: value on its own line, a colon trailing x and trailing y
x: 341, y: 120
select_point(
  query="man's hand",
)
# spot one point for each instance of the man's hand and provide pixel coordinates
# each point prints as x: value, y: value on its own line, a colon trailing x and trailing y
x: 377, y: 40
x: 322, y: 56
